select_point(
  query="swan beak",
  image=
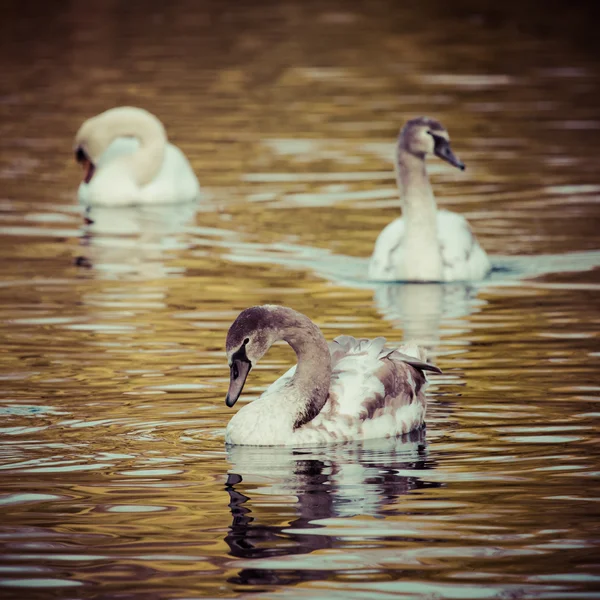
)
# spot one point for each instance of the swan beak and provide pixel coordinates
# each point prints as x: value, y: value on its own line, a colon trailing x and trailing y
x: 237, y: 378
x: 443, y: 151
x: 88, y: 166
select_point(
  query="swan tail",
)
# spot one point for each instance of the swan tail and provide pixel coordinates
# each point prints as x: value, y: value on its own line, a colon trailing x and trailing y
x: 413, y: 355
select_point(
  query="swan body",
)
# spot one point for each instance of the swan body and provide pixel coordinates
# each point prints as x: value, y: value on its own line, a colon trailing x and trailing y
x: 425, y: 244
x: 128, y: 161
x: 347, y: 390
x: 462, y: 258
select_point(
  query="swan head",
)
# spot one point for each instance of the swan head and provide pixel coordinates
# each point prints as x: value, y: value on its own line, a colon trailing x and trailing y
x: 91, y: 141
x: 249, y: 337
x: 424, y: 136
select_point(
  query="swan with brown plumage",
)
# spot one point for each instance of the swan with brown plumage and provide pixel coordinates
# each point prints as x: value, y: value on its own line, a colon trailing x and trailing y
x: 343, y: 391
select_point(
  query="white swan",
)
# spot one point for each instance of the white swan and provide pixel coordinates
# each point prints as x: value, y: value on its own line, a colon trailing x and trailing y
x: 347, y: 390
x: 425, y: 244
x: 127, y: 160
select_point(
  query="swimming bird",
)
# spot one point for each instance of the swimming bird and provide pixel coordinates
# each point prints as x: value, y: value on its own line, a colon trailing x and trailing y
x: 425, y: 244
x: 350, y: 389
x: 127, y: 161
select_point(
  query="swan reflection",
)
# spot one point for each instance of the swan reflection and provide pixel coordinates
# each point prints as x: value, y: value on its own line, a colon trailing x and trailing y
x: 133, y: 241
x: 419, y: 308
x: 340, y: 481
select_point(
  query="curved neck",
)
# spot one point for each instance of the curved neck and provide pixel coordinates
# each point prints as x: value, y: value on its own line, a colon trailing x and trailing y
x: 313, y: 373
x: 145, y: 163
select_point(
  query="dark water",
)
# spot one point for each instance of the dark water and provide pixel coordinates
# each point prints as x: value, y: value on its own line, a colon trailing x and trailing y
x: 115, y: 479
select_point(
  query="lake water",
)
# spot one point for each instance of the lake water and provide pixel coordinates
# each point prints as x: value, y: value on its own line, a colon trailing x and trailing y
x: 115, y: 480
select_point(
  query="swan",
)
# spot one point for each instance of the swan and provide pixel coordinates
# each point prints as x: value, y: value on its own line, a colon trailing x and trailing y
x: 127, y: 160
x: 345, y: 391
x: 425, y: 244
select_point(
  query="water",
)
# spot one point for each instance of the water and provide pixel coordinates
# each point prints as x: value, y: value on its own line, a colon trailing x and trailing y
x: 115, y: 479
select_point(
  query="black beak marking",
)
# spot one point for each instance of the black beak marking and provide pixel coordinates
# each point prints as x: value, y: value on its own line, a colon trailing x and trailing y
x: 238, y: 372
x: 442, y: 150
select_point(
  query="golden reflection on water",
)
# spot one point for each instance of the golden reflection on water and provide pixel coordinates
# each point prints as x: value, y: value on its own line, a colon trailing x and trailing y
x: 115, y: 478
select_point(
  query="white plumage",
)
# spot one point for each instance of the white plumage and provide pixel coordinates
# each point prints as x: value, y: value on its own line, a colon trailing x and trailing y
x: 462, y: 258
x: 113, y: 183
x: 128, y: 161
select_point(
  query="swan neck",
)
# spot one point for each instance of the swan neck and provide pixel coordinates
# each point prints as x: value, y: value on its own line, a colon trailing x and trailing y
x: 146, y: 162
x: 419, y: 212
x: 416, y: 195
x: 310, y: 383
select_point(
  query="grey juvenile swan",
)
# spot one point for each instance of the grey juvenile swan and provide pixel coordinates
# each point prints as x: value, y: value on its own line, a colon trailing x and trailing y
x: 347, y: 390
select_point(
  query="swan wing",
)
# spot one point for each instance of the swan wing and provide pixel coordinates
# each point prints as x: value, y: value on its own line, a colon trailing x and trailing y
x: 462, y: 256
x: 387, y: 252
x: 176, y: 181
x: 368, y: 378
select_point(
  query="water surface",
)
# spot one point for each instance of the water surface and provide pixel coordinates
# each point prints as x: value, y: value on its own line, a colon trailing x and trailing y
x: 115, y: 479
